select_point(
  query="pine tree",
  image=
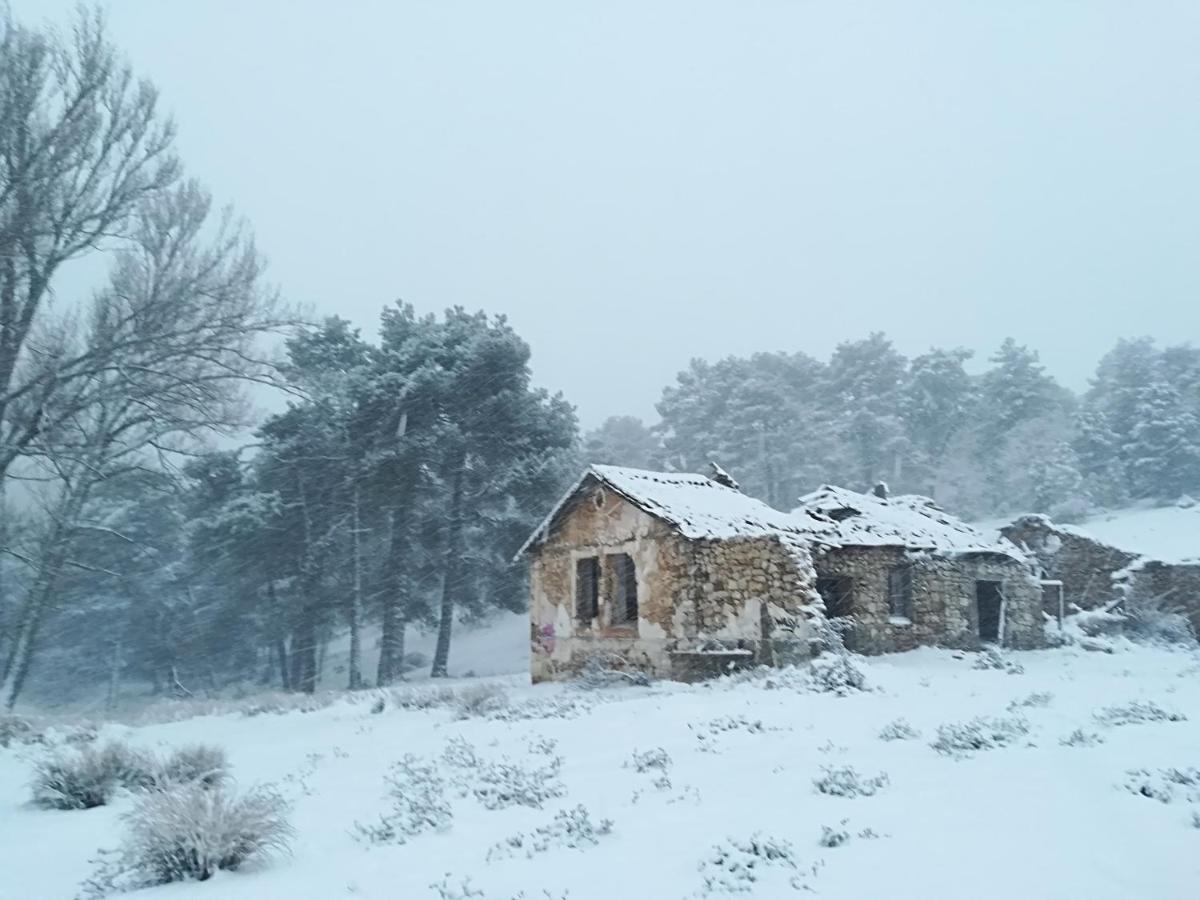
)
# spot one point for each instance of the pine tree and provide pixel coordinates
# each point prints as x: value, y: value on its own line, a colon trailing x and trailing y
x: 1164, y: 445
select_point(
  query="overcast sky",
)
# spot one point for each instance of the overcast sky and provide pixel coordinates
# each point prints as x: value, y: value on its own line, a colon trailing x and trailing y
x: 638, y: 183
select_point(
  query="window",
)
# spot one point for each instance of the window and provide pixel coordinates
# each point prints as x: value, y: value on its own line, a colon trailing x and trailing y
x: 838, y: 594
x: 587, y: 589
x: 900, y: 592
x: 625, y: 597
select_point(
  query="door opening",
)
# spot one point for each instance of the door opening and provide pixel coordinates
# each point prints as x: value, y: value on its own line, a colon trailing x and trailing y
x: 989, y: 601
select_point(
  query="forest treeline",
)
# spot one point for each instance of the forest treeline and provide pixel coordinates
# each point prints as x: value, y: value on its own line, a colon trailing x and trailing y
x: 406, y: 469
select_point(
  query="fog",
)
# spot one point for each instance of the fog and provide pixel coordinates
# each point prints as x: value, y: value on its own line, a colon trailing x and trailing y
x: 636, y: 186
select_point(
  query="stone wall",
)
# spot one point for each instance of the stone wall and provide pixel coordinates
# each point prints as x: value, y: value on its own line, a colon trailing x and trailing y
x: 1085, y: 566
x: 944, y: 611
x: 693, y: 596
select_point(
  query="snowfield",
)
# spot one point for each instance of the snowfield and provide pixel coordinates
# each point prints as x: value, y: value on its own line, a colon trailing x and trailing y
x: 710, y: 789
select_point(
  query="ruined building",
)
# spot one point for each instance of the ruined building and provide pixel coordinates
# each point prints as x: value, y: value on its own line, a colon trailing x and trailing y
x: 1095, y: 574
x: 682, y: 575
x: 910, y: 574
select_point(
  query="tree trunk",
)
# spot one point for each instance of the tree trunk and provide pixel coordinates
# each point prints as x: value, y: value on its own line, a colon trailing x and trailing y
x: 281, y: 651
x: 355, y: 664
x: 450, y: 572
x: 395, y: 604
x: 115, y: 664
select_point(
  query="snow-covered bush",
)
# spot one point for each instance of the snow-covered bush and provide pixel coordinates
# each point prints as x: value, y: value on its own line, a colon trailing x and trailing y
x: 203, y: 763
x: 1035, y: 700
x: 1081, y: 738
x: 89, y: 777
x: 423, y: 698
x: 846, y: 781
x: 836, y: 673
x: 738, y: 866
x: 419, y: 804
x: 833, y: 837
x: 992, y: 659
x: 480, y: 700
x: 498, y: 784
x: 898, y: 730
x: 983, y: 733
x: 19, y: 730
x: 571, y: 829
x: 1165, y: 785
x: 1136, y: 712
x: 188, y: 834
x: 604, y: 670
x: 1148, y: 621
x: 656, y: 759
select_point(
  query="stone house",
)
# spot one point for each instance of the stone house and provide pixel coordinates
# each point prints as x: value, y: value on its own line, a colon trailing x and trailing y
x: 682, y: 575
x: 677, y: 575
x: 910, y: 574
x: 1094, y: 574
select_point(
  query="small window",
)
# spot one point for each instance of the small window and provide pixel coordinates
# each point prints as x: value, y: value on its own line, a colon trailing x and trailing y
x: 587, y: 589
x: 900, y: 592
x: 625, y: 597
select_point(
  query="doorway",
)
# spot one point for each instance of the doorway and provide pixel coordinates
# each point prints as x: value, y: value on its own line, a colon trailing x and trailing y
x: 989, y: 601
x: 838, y: 594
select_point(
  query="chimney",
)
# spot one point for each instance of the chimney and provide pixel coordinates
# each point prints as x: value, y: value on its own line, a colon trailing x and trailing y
x: 880, y: 490
x: 721, y: 477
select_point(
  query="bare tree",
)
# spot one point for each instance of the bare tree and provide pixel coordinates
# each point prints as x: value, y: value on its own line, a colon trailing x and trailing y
x: 158, y: 359
x: 82, y: 146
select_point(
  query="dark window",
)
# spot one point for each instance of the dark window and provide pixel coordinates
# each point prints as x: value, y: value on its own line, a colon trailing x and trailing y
x: 625, y: 598
x: 838, y: 594
x: 900, y: 592
x: 587, y: 588
x: 989, y: 598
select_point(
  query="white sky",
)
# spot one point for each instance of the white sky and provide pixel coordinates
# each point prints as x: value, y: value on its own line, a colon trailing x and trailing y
x: 636, y: 183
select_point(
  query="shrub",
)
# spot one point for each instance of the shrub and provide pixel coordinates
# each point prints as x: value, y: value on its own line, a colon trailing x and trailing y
x: 604, y: 670
x: 572, y: 829
x: 1081, y: 738
x: 189, y: 833
x: 1036, y: 700
x: 992, y: 659
x: 847, y: 782
x: 419, y: 804
x: 898, y: 730
x: 1164, y: 785
x: 1136, y: 712
x: 480, y: 700
x: 983, y: 733
x: 19, y: 730
x: 836, y: 673
x: 656, y: 758
x: 90, y: 777
x: 1147, y: 621
x: 737, y: 866
x: 202, y: 763
x: 833, y: 837
x: 423, y: 698
x: 501, y: 784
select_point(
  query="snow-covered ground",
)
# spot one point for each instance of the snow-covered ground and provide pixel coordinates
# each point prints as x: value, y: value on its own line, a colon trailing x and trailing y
x: 1035, y: 819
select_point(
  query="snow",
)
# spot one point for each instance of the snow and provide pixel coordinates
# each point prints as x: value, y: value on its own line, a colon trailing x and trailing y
x: 700, y: 508
x: 1035, y: 819
x: 1169, y: 534
x: 910, y: 521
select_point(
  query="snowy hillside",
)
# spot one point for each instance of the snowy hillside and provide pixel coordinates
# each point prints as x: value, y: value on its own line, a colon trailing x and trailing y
x: 1167, y: 533
x: 709, y: 788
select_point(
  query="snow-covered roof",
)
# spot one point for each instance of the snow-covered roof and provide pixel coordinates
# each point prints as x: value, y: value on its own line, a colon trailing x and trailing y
x: 909, y: 521
x: 696, y: 506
